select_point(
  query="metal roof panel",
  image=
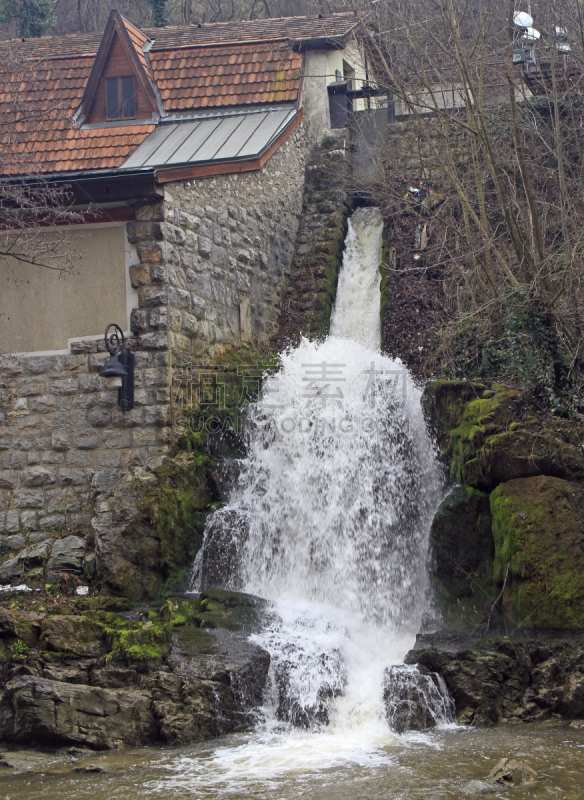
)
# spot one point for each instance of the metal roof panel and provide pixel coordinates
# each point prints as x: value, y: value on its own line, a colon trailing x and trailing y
x: 234, y: 134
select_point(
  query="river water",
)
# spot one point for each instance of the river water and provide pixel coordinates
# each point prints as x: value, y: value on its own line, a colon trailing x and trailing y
x: 329, y: 522
x: 446, y: 764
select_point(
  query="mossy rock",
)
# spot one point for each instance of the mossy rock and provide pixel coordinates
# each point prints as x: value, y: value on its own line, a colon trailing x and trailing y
x: 195, y: 641
x: 522, y: 454
x: 538, y: 528
x: 74, y: 635
x: 444, y: 404
x: 231, y: 610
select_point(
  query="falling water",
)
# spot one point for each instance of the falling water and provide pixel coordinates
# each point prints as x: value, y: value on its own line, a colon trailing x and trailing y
x: 329, y: 521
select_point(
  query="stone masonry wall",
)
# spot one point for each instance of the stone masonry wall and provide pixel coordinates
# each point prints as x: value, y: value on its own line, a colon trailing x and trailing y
x: 215, y: 255
x: 65, y: 444
x: 213, y: 258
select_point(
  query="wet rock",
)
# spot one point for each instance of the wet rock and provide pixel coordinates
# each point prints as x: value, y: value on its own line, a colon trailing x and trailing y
x: 49, y: 711
x: 67, y: 554
x: 415, y: 699
x: 461, y: 542
x: 491, y: 681
x: 511, y: 773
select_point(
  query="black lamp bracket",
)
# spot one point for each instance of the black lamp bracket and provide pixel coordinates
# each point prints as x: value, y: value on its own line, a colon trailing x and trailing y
x: 116, y: 344
x: 114, y: 341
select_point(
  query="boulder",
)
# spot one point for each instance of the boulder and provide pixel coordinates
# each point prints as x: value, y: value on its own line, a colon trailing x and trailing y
x: 7, y: 623
x: 523, y: 454
x: 461, y: 543
x: 415, y: 699
x: 538, y: 528
x: 511, y: 773
x: 53, y: 712
x: 67, y: 554
x: 72, y: 635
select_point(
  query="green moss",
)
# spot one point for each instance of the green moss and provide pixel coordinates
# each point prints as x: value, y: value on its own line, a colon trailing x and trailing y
x: 538, y: 527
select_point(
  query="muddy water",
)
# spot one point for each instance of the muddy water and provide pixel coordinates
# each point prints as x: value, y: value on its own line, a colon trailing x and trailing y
x: 450, y: 763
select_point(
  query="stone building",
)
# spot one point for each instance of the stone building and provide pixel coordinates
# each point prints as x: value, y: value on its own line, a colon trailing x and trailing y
x: 183, y: 153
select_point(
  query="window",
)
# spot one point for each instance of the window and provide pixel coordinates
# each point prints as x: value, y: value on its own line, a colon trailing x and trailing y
x: 120, y: 98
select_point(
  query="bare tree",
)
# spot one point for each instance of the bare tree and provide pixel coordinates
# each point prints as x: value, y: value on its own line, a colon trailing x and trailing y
x: 29, y: 202
x: 500, y: 147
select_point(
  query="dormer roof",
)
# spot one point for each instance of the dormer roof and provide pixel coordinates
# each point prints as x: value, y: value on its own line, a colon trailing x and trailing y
x: 132, y: 42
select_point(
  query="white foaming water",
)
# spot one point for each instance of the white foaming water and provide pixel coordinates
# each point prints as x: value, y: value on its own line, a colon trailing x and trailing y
x: 329, y: 521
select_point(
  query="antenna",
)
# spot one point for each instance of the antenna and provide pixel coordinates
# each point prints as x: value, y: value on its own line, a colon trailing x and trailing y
x: 522, y: 20
x: 531, y: 35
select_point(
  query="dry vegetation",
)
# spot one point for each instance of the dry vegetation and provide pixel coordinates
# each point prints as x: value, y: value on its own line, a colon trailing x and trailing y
x: 497, y: 222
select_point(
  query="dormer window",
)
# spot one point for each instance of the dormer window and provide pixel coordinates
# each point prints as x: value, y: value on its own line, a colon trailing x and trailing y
x: 120, y: 98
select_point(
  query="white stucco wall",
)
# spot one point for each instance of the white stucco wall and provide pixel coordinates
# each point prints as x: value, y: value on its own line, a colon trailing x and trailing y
x: 42, y: 310
x: 319, y: 71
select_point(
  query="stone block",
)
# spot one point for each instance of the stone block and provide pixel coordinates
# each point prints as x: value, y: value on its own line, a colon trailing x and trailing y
x: 106, y: 480
x: 80, y: 348
x: 28, y: 387
x: 129, y: 419
x: 86, y: 401
x: 98, y: 361
x: 9, y: 522
x: 52, y: 457
x: 90, y: 383
x: 99, y: 417
x: 159, y: 273
x: 158, y: 317
x: 29, y: 498
x: 74, y: 363
x: 11, y: 366
x: 29, y: 520
x: 9, y: 479
x: 155, y: 341
x: 53, y: 522
x: 109, y: 459
x: 43, y: 404
x: 15, y: 542
x: 79, y: 458
x: 38, y: 366
x: 80, y: 521
x: 205, y: 247
x: 144, y: 230
x: 153, y: 296
x: 152, y: 212
x: 74, y: 477
x: 150, y: 255
x: 183, y: 299
x: 38, y: 476
x: 156, y: 415
x: 85, y: 439
x: 67, y: 554
x: 156, y: 377
x: 64, y: 386
x: 139, y: 275
x: 61, y: 440
x: 116, y: 439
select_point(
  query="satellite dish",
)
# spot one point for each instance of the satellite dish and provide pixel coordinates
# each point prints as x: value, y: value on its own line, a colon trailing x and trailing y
x: 522, y: 20
x: 531, y: 35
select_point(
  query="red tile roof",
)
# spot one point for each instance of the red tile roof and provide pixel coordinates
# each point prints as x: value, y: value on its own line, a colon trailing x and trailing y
x: 224, y: 64
x: 226, y: 76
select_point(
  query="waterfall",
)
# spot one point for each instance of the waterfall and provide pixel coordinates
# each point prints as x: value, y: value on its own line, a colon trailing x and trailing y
x: 330, y: 517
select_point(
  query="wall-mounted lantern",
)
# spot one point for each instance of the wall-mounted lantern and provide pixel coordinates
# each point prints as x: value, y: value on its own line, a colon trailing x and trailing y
x: 119, y: 370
